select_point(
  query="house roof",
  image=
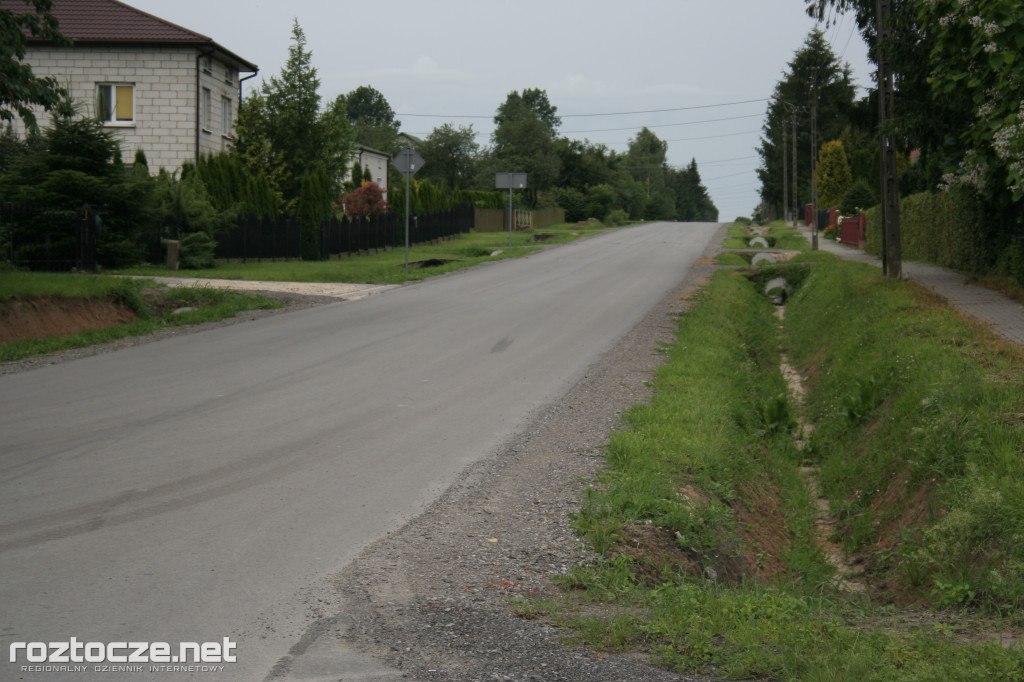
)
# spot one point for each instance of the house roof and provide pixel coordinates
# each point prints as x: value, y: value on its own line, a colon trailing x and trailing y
x: 363, y: 148
x: 109, y: 22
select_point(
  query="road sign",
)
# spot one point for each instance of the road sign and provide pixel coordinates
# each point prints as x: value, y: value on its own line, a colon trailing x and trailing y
x: 510, y: 180
x: 407, y: 162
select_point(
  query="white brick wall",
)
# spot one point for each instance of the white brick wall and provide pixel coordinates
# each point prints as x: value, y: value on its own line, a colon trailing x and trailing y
x: 165, y: 95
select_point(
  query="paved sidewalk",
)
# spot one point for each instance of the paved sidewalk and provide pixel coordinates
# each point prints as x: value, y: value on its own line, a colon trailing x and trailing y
x: 1004, y: 315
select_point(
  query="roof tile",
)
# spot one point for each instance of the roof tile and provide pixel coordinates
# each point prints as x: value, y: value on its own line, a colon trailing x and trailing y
x: 111, y: 21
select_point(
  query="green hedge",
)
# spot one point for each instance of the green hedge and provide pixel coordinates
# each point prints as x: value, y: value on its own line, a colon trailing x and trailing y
x: 948, y: 229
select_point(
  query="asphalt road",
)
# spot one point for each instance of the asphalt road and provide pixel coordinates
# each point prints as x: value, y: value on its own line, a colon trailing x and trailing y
x: 208, y: 486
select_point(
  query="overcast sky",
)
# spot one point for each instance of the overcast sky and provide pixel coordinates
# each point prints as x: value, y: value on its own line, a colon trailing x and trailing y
x: 455, y: 61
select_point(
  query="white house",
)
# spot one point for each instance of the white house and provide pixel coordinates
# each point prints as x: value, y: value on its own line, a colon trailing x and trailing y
x: 375, y: 161
x: 158, y: 87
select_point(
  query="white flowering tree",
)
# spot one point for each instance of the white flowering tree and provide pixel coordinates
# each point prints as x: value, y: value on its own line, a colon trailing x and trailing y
x: 978, y: 54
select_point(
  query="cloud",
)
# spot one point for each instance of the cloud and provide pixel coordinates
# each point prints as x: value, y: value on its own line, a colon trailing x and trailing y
x: 672, y: 89
x: 574, y: 84
x: 425, y: 67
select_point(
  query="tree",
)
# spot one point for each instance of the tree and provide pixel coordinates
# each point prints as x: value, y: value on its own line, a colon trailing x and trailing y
x: 584, y: 164
x: 692, y: 199
x: 77, y: 161
x: 20, y: 89
x: 646, y: 161
x: 533, y: 100
x: 299, y: 134
x: 814, y: 69
x: 234, y: 191
x: 251, y: 144
x: 523, y: 141
x: 976, y: 57
x: 372, y: 119
x: 449, y: 155
x: 315, y: 203
x: 834, y: 176
x: 926, y: 120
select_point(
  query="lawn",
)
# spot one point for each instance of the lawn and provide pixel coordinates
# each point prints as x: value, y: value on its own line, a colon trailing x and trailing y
x: 388, y: 267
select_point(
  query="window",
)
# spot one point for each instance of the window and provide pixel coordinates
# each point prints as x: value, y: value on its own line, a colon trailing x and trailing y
x: 115, y: 103
x: 207, y: 108
x: 225, y: 116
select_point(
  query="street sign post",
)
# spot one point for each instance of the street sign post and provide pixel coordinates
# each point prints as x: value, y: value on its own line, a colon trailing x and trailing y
x: 407, y: 162
x: 510, y: 181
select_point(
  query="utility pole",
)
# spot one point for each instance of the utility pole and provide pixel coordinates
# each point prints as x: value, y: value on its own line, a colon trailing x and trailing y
x: 796, y: 194
x: 814, y: 165
x: 785, y: 175
x: 892, y: 265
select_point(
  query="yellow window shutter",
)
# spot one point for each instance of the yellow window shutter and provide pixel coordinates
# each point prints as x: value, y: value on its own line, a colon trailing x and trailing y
x: 125, y: 104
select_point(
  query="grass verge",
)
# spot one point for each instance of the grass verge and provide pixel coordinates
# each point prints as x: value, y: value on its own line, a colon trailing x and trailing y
x: 710, y: 556
x: 151, y: 305
x: 388, y: 267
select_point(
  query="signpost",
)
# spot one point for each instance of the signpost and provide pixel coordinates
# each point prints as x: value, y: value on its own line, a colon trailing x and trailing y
x: 407, y: 162
x: 511, y: 181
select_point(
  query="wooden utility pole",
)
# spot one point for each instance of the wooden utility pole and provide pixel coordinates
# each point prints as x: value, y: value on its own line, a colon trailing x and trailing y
x: 796, y: 194
x: 892, y: 265
x: 785, y: 175
x: 814, y: 164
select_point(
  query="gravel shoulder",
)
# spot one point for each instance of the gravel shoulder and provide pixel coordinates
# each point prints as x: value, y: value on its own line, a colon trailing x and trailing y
x: 430, y: 601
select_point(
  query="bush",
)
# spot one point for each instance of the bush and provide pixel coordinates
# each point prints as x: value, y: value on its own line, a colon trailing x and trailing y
x: 858, y: 198
x: 574, y: 202
x: 944, y: 228
x: 196, y: 251
x: 617, y: 217
x: 365, y: 201
x: 1010, y: 263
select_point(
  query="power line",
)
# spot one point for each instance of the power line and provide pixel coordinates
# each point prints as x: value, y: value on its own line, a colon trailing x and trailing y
x: 661, y: 125
x: 613, y: 113
x: 712, y: 137
x: 738, y: 158
x: 659, y: 111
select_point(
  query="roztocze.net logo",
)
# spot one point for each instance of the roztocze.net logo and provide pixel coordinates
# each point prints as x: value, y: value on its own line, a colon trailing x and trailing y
x: 53, y: 656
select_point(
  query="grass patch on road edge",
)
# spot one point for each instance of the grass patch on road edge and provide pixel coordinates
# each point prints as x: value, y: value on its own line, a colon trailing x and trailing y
x: 388, y: 267
x: 150, y: 303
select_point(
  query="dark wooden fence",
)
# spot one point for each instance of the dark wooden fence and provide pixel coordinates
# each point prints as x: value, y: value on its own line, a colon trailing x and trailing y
x: 66, y: 240
x: 50, y: 240
x: 256, y: 239
x: 281, y: 239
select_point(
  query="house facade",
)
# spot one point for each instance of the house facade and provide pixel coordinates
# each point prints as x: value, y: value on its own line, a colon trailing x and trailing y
x: 156, y: 86
x: 375, y: 161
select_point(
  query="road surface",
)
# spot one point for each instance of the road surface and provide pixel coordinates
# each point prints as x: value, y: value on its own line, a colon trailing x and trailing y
x: 205, y: 488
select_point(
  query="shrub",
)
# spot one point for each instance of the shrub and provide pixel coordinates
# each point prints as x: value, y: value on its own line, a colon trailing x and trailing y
x: 365, y: 201
x: 196, y: 251
x: 617, y: 217
x: 945, y: 228
x: 858, y: 198
x: 574, y: 202
x: 1010, y: 262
